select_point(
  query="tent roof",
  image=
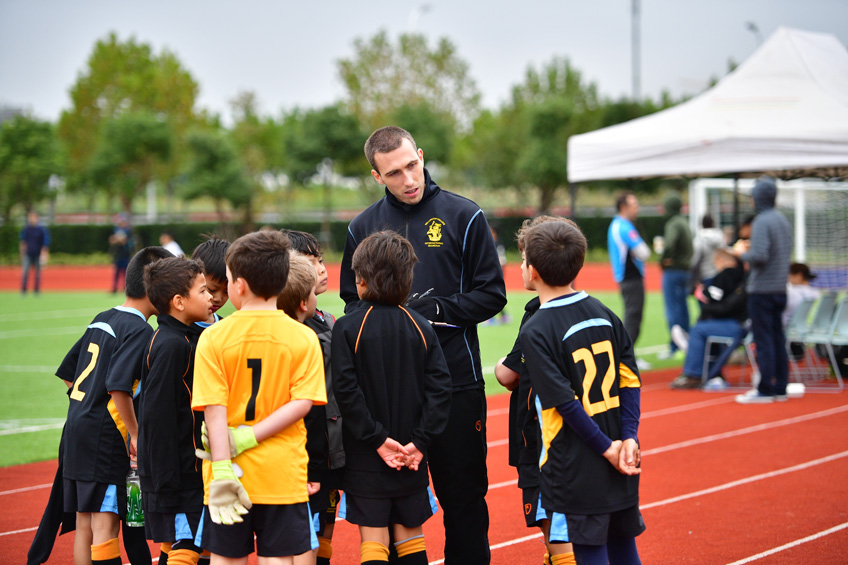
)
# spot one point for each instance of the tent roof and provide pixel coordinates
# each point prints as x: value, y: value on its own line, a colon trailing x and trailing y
x: 785, y: 109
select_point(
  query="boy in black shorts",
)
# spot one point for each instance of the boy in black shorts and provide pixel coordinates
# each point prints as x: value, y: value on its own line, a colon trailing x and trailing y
x: 523, y: 424
x: 171, y: 478
x: 583, y: 372
x: 394, y: 390
x: 102, y: 372
x: 323, y: 423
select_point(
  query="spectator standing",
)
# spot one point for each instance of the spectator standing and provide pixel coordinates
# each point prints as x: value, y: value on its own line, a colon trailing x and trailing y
x: 628, y: 253
x: 675, y: 261
x: 767, y: 255
x: 35, y: 249
x: 166, y: 240
x: 120, y: 247
x: 458, y: 283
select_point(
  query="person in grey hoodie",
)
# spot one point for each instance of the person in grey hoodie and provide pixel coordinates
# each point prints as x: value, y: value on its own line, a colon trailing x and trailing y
x: 704, y: 245
x: 768, y: 258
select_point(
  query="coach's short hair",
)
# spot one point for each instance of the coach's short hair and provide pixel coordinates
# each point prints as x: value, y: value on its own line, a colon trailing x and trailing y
x: 135, y: 270
x: 212, y: 253
x: 304, y: 243
x: 300, y: 284
x: 556, y: 250
x: 170, y: 277
x: 262, y: 259
x: 385, y: 261
x: 385, y: 140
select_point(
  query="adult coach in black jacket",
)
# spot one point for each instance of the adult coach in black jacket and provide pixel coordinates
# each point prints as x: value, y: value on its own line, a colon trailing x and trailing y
x: 458, y: 283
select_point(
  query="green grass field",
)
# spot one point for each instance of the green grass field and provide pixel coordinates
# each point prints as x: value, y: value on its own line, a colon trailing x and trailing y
x: 37, y: 332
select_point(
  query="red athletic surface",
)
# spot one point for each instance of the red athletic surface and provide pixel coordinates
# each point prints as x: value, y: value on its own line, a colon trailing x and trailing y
x: 593, y: 277
x: 721, y: 483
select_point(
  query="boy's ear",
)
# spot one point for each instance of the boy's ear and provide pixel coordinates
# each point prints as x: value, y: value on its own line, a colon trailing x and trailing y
x: 533, y: 273
x: 178, y: 302
x: 303, y: 306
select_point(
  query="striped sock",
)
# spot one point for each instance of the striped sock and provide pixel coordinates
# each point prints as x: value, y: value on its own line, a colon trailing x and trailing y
x: 412, y: 551
x: 563, y: 559
x: 373, y: 552
x: 183, y: 557
x: 164, y: 549
x: 325, y: 550
x: 106, y: 553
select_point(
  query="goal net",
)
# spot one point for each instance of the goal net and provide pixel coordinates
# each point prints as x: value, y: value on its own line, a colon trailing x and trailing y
x: 817, y: 210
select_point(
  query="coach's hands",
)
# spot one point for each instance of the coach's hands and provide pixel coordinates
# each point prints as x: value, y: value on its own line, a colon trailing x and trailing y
x: 228, y: 501
x: 393, y: 454
x: 241, y: 439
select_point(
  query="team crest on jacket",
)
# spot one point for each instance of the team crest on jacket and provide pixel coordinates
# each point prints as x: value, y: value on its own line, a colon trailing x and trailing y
x: 434, y: 232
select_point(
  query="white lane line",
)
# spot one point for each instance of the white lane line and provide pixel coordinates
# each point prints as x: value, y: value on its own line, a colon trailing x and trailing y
x: 792, y: 544
x: 754, y: 478
x: 744, y: 431
x: 688, y: 407
x: 27, y: 369
x: 500, y: 545
x: 41, y: 332
x: 49, y: 315
x: 29, y: 429
x: 25, y: 530
x: 26, y: 489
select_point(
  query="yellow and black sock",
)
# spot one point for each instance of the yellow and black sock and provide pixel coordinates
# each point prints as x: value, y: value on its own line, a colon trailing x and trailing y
x: 205, y: 557
x: 325, y: 551
x: 106, y: 553
x: 373, y: 553
x: 183, y: 557
x: 563, y: 559
x: 547, y: 559
x: 412, y: 551
x: 164, y: 548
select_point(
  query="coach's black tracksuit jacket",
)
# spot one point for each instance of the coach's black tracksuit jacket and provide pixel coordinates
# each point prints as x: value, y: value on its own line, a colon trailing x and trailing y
x: 391, y: 380
x: 168, y: 429
x: 457, y: 260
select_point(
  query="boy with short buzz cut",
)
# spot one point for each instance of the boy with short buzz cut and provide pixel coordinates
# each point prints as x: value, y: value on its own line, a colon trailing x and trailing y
x: 169, y: 430
x: 511, y: 373
x: 102, y: 372
x: 257, y: 373
x: 583, y: 371
x: 323, y: 423
x: 394, y: 391
x: 212, y: 253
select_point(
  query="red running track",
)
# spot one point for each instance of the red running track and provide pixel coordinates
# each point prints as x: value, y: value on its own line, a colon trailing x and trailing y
x: 722, y: 483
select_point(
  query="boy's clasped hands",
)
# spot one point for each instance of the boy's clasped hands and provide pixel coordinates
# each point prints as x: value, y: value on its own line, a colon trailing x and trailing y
x: 625, y: 456
x: 398, y: 456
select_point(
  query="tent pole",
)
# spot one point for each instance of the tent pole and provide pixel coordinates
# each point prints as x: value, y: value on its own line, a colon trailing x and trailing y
x: 573, y: 193
x: 736, y: 206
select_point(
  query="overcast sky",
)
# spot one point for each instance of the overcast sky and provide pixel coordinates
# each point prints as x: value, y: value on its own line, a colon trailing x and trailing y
x: 286, y: 52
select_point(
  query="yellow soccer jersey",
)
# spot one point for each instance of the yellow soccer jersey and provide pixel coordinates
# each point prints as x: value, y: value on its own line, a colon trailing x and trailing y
x: 253, y: 362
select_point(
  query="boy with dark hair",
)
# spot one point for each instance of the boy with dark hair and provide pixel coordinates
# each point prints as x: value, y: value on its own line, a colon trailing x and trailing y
x: 170, y: 474
x: 102, y: 373
x: 323, y: 423
x: 258, y: 373
x: 523, y: 425
x: 581, y: 365
x: 212, y: 253
x: 394, y: 391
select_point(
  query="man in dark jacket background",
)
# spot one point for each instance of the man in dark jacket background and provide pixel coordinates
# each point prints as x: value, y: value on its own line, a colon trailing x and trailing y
x: 458, y: 283
x: 675, y: 261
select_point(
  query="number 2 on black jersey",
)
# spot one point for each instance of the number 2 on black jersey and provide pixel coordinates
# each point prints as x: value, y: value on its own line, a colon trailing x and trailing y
x: 255, y: 365
x: 588, y: 359
x: 77, y: 394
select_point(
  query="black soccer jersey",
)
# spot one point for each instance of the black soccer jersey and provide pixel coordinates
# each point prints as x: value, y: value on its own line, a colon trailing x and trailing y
x: 577, y: 350
x: 106, y: 358
x: 168, y: 429
x: 391, y: 380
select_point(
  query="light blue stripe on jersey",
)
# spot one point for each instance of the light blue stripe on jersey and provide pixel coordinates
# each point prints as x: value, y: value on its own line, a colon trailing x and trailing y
x: 314, y: 525
x: 343, y: 507
x: 559, y: 528
x: 538, y: 404
x: 593, y: 323
x: 565, y: 301
x: 129, y: 310
x: 110, y: 500
x: 181, y: 528
x: 618, y: 245
x: 198, y: 539
x: 103, y: 326
x: 433, y: 505
x: 541, y: 513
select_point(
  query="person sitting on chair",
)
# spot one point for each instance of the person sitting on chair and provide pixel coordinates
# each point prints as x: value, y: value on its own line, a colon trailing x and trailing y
x: 722, y: 314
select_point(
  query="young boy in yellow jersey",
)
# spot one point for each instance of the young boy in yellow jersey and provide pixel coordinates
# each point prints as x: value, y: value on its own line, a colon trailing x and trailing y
x: 262, y: 370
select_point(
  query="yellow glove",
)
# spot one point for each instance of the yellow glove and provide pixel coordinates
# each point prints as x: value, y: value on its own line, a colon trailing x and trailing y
x: 228, y: 501
x: 241, y: 439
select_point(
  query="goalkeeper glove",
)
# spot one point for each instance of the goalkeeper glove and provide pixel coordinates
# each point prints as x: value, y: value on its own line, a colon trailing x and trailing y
x: 228, y: 501
x: 241, y: 439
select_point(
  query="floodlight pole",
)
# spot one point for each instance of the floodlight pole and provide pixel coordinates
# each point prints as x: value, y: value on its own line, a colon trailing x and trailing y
x: 635, y: 50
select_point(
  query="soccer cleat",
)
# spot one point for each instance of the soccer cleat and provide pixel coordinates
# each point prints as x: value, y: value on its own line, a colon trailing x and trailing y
x: 754, y: 396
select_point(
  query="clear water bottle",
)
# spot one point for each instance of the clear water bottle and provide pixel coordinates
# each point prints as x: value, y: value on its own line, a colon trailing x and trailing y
x: 135, y: 514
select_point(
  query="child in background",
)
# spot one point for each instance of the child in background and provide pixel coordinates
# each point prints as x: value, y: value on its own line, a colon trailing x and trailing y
x: 102, y: 373
x: 212, y: 253
x: 394, y: 390
x: 323, y: 423
x: 257, y: 373
x: 298, y: 296
x: 523, y: 425
x: 583, y: 371
x: 169, y: 430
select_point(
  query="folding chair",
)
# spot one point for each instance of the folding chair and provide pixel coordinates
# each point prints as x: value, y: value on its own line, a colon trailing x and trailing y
x: 823, y: 331
x: 714, y: 363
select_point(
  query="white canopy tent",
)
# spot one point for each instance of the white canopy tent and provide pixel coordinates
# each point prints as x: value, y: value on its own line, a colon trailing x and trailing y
x: 784, y: 111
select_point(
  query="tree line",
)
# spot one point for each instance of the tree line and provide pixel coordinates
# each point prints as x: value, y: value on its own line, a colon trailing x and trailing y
x: 134, y: 119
